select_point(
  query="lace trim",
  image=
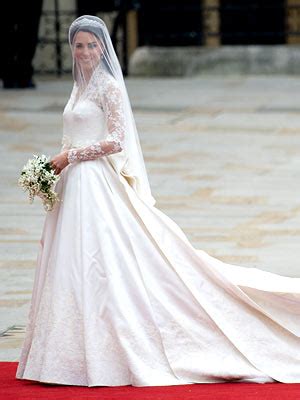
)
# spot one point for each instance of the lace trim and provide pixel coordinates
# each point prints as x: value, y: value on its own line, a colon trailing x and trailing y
x: 110, y: 99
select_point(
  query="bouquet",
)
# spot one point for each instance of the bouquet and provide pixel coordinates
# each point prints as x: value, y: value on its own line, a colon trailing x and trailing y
x: 38, y: 178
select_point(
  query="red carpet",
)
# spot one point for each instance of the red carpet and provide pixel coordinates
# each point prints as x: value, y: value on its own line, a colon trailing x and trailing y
x: 16, y: 389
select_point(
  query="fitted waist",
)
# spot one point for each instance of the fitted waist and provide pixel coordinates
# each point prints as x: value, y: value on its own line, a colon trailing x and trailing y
x: 84, y: 143
x: 80, y: 142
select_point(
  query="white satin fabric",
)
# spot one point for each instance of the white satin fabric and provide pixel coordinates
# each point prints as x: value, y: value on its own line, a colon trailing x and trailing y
x: 121, y: 297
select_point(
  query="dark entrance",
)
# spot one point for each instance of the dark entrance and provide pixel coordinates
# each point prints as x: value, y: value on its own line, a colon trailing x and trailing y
x: 252, y: 22
x: 170, y: 23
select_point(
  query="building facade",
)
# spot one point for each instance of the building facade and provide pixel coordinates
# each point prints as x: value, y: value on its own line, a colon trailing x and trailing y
x: 169, y: 23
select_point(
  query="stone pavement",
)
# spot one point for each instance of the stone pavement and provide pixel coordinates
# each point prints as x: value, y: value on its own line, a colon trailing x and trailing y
x: 223, y: 158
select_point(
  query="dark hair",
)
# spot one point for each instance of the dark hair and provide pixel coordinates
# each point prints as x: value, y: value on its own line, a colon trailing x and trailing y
x: 86, y: 28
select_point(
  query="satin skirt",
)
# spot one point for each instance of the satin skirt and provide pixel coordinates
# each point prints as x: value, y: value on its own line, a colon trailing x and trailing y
x: 121, y: 297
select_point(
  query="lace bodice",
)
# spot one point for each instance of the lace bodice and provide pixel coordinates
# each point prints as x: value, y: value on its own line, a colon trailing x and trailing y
x: 93, y: 124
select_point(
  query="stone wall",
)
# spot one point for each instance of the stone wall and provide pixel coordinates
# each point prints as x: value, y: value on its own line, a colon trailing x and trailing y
x: 190, y: 61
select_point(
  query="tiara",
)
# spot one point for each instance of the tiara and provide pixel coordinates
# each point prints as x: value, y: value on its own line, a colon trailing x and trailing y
x: 86, y: 21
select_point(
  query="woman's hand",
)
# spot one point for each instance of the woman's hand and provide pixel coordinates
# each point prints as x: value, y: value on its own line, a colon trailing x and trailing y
x: 59, y: 162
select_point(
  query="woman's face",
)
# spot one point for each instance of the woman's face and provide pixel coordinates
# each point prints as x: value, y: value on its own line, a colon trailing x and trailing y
x: 87, y: 49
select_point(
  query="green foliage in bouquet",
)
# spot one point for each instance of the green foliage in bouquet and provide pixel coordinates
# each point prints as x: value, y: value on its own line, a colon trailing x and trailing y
x: 38, y: 178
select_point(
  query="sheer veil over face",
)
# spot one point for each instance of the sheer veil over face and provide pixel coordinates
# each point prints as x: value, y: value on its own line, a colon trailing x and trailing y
x: 97, y: 75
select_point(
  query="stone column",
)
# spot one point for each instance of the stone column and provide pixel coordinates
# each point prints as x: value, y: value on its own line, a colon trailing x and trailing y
x: 132, y: 32
x: 293, y: 21
x: 211, y: 22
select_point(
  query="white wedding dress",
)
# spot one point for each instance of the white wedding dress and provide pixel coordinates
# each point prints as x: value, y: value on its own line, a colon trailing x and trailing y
x: 121, y: 297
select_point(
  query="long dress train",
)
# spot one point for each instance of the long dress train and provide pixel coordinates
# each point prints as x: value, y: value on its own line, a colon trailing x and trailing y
x: 121, y: 297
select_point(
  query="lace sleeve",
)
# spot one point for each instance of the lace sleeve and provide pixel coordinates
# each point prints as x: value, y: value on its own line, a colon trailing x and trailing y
x: 113, y: 143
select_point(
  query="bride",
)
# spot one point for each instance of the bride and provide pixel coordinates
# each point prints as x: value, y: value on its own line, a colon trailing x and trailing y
x: 120, y: 296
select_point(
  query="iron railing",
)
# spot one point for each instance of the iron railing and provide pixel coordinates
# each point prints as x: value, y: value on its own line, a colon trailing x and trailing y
x: 53, y: 47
